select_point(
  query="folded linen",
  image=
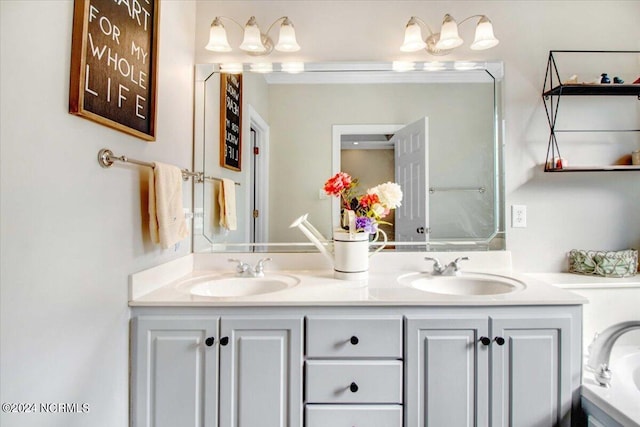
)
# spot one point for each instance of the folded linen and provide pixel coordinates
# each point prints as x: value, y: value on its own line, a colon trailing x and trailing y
x: 167, y: 223
x: 227, y: 203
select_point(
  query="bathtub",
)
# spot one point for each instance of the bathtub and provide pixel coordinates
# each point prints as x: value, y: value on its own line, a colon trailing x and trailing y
x: 618, y: 405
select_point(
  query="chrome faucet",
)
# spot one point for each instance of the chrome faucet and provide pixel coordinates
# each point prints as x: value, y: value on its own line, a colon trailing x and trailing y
x: 245, y: 270
x: 451, y: 269
x: 600, y: 350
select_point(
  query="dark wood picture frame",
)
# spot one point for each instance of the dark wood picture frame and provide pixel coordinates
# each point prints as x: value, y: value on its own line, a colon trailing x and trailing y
x: 114, y: 62
x: 231, y: 121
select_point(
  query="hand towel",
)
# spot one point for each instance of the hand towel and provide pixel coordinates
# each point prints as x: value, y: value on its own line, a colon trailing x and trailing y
x: 227, y: 203
x: 167, y: 224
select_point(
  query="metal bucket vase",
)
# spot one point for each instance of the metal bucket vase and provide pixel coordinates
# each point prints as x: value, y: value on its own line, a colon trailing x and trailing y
x: 351, y: 254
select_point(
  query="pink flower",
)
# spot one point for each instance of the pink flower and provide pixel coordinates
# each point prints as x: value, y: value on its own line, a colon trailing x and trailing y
x: 368, y: 200
x: 337, y: 184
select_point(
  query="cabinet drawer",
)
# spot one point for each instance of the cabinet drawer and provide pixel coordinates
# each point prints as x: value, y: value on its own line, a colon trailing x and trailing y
x: 354, y: 336
x: 353, y: 416
x: 366, y: 381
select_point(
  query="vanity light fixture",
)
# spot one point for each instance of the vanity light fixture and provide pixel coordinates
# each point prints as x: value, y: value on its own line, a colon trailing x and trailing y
x: 262, y: 67
x: 448, y: 38
x: 255, y: 42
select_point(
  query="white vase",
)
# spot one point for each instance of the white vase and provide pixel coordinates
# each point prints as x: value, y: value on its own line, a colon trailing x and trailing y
x: 351, y: 254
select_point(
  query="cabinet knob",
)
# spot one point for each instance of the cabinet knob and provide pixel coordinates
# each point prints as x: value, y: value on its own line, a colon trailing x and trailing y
x: 354, y: 340
x: 353, y: 387
x: 209, y: 341
x: 485, y: 340
x: 499, y: 340
x: 224, y: 340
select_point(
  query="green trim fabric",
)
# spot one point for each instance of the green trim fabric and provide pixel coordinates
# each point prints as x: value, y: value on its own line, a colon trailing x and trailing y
x: 604, y: 263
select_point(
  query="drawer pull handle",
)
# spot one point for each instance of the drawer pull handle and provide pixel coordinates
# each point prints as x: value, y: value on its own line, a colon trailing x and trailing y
x: 353, y: 387
x: 354, y: 340
x: 485, y: 340
x: 209, y: 341
x: 224, y: 340
x: 499, y: 340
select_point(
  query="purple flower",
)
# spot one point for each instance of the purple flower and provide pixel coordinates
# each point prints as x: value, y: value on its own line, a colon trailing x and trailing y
x: 366, y: 224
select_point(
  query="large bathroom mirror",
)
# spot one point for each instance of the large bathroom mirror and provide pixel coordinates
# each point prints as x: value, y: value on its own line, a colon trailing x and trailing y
x: 299, y: 128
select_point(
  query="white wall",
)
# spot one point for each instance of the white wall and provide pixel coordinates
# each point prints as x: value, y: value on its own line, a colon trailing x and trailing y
x: 561, y: 207
x: 72, y: 232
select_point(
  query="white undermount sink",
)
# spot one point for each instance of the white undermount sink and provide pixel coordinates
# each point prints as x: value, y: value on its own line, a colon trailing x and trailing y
x: 466, y: 284
x: 233, y: 286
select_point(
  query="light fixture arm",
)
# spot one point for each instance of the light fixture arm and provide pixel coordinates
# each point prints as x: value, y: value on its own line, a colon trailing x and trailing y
x: 470, y: 17
x: 219, y: 18
x: 284, y: 19
x: 422, y: 22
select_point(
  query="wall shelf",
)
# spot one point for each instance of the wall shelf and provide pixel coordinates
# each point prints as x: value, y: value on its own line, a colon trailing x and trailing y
x: 554, y: 90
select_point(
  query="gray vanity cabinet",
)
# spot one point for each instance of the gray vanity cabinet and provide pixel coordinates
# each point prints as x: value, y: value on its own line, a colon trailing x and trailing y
x: 240, y: 371
x: 496, y: 370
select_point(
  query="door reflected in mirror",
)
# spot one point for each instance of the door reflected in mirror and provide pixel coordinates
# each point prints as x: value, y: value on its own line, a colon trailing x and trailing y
x: 300, y: 129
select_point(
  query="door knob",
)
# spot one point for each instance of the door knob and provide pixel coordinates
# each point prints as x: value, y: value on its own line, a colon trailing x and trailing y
x: 353, y: 387
x: 224, y: 340
x: 420, y: 230
x: 354, y: 340
x: 209, y: 341
x: 485, y: 340
x: 499, y: 340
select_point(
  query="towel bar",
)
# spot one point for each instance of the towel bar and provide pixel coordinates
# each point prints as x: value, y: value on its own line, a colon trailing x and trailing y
x: 106, y: 158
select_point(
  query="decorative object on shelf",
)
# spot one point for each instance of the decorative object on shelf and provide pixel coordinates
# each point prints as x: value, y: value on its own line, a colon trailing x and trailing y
x: 255, y: 42
x: 554, y: 88
x: 443, y: 42
x: 604, y: 263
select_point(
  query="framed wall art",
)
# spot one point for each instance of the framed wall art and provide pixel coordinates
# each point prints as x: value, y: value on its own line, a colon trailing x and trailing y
x: 114, y: 64
x: 231, y: 121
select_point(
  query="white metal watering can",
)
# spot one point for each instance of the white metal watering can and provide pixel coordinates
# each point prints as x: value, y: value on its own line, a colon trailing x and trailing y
x: 349, y: 252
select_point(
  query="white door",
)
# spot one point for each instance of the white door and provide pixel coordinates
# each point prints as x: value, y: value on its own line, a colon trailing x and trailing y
x: 261, y: 372
x: 412, y: 174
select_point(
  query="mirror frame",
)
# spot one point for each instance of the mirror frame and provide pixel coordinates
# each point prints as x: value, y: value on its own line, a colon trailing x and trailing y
x: 447, y: 72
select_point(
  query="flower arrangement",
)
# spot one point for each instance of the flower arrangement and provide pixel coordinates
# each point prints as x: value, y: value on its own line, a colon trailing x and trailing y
x: 363, y: 213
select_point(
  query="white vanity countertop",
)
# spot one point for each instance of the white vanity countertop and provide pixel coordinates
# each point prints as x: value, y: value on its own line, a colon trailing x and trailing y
x: 164, y: 285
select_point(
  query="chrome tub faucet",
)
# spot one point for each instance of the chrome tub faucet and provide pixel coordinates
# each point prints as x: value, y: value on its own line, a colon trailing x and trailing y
x: 600, y: 350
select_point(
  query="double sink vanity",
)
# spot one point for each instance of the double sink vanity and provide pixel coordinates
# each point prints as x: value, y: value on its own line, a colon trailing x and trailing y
x: 297, y: 347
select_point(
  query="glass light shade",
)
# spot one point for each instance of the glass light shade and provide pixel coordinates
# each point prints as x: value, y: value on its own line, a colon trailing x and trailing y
x: 287, y: 38
x: 484, y: 35
x: 413, y: 40
x: 449, y: 37
x: 218, y: 38
x: 252, y: 41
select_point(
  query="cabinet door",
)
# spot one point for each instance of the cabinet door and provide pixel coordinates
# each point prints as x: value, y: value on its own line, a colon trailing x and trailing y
x: 261, y: 372
x: 531, y: 382
x: 446, y: 372
x: 174, y: 372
